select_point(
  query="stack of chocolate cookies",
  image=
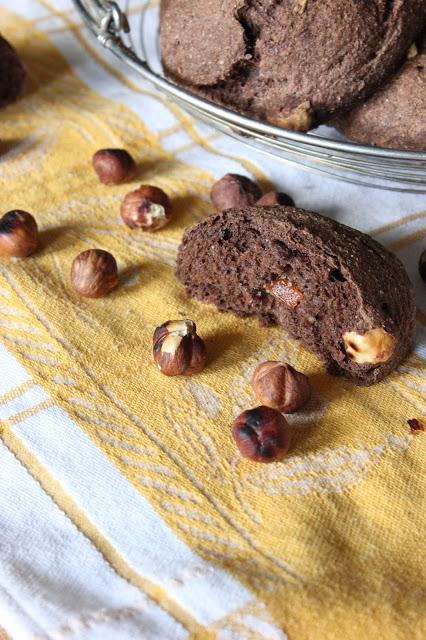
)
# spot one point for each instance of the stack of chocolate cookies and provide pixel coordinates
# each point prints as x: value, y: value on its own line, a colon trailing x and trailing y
x: 300, y: 63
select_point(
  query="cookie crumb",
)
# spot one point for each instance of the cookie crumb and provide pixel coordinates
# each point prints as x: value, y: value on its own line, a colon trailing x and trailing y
x: 415, y: 425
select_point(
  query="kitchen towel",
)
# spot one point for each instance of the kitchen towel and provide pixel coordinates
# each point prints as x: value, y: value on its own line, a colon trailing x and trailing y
x: 125, y: 509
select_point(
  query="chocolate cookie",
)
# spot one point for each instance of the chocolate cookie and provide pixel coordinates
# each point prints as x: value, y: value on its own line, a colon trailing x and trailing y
x: 295, y: 62
x: 395, y: 116
x: 336, y: 289
x: 11, y: 73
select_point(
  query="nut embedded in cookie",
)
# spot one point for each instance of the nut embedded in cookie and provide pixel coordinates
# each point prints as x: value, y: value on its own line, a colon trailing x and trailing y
x: 372, y: 347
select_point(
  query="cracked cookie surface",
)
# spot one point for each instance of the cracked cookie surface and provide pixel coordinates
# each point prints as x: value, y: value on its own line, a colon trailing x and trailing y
x: 346, y: 297
x: 395, y: 116
x: 266, y: 58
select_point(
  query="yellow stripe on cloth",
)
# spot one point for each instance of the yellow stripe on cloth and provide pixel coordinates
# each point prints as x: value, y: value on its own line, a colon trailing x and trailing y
x: 329, y: 539
x: 185, y: 121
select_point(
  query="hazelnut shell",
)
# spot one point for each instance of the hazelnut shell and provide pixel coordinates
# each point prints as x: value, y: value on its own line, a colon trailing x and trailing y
x: 280, y: 386
x: 178, y: 350
x: 234, y: 190
x: 94, y: 273
x: 113, y: 166
x: 262, y: 434
x: 147, y: 208
x: 275, y: 197
x: 422, y: 265
x: 18, y: 234
x: 12, y: 73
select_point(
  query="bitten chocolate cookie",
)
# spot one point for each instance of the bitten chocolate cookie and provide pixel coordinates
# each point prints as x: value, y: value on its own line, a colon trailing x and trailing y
x: 395, y: 116
x: 12, y: 73
x: 294, y: 63
x: 336, y: 289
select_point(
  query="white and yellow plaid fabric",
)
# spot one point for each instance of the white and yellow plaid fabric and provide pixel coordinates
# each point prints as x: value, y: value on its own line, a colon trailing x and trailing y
x: 125, y: 511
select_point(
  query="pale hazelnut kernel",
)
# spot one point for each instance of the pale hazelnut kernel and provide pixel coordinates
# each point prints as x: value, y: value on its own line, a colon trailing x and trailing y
x: 373, y: 347
x: 280, y: 386
x: 113, y: 166
x: 94, y: 273
x: 177, y: 349
x: 18, y: 234
x: 301, y: 118
x: 147, y: 208
x: 412, y: 51
x: 234, y: 190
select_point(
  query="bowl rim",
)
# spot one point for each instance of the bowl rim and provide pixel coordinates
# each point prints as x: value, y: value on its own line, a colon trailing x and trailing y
x: 106, y: 27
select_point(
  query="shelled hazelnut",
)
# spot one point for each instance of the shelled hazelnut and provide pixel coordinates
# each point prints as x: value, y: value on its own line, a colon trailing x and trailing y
x: 18, y: 234
x: 147, y: 208
x: 373, y: 347
x: 285, y: 291
x: 262, y: 434
x: 280, y: 386
x: 300, y: 118
x: 234, y: 190
x: 94, y: 273
x: 275, y: 197
x: 113, y: 166
x: 177, y: 349
x: 422, y: 265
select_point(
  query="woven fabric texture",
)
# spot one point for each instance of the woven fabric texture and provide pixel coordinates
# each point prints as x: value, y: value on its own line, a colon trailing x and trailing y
x: 327, y: 544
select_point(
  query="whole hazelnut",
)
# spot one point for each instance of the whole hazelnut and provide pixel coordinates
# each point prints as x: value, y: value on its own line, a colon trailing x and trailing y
x: 372, y: 347
x: 262, y: 434
x: 12, y: 73
x: 275, y: 197
x: 280, y: 386
x: 18, y: 234
x: 177, y: 349
x: 422, y: 265
x: 113, y: 166
x: 416, y: 425
x: 94, y: 273
x: 234, y: 190
x: 147, y: 208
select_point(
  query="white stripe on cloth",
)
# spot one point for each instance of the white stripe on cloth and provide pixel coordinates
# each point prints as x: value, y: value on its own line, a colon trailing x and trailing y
x: 54, y: 582
x: 123, y: 515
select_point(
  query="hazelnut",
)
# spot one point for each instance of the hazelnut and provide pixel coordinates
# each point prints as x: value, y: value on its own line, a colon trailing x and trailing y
x: 373, y: 347
x: 262, y: 434
x: 286, y: 292
x: 422, y: 265
x: 275, y: 197
x: 177, y: 349
x: 146, y: 208
x: 280, y: 386
x: 94, y: 273
x: 12, y: 73
x: 18, y: 234
x: 301, y: 118
x: 113, y: 166
x: 234, y: 190
x: 415, y: 425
